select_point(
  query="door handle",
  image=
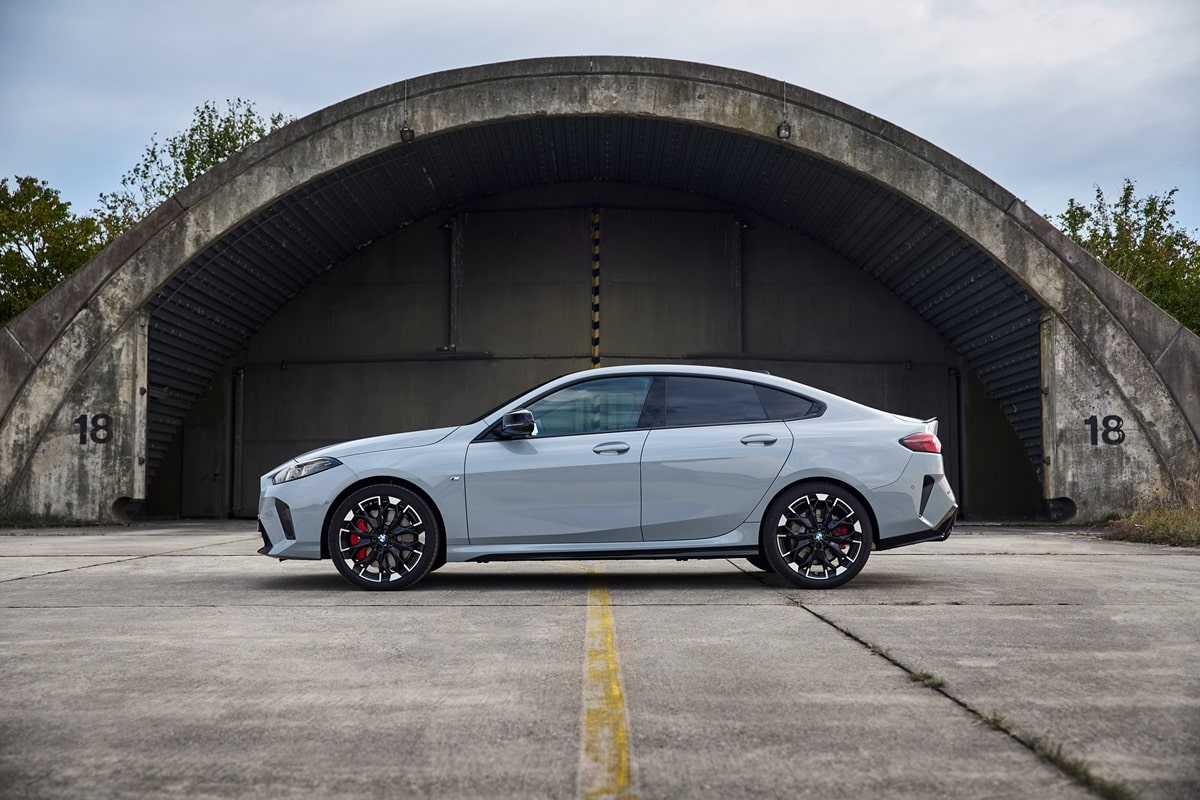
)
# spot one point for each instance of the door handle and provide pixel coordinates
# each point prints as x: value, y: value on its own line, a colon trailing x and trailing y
x: 610, y: 449
x: 763, y: 439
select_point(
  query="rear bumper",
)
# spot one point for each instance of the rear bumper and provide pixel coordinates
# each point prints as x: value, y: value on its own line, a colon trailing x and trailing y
x: 938, y: 533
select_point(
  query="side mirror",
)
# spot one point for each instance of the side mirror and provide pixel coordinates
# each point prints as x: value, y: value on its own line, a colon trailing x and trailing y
x: 517, y: 424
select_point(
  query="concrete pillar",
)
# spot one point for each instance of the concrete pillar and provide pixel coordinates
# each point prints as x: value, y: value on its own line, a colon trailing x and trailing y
x: 91, y: 461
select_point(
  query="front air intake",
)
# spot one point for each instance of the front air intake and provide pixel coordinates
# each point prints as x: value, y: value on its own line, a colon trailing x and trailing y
x: 285, y: 518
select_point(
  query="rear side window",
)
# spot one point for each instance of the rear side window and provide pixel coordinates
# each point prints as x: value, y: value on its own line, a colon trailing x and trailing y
x: 711, y: 401
x: 785, y: 405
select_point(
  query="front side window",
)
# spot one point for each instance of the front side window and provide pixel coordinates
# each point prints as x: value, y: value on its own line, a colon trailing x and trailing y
x: 605, y: 404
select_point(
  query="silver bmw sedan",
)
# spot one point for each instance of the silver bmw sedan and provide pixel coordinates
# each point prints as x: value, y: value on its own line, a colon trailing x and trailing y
x: 653, y: 461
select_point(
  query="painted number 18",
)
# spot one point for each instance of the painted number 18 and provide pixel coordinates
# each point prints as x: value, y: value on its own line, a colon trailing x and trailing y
x: 1110, y: 429
x: 100, y: 430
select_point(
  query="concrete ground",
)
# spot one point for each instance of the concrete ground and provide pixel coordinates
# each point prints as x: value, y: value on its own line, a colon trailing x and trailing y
x: 171, y: 660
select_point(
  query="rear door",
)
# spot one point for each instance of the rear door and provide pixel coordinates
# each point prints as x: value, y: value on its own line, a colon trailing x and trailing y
x: 711, y: 461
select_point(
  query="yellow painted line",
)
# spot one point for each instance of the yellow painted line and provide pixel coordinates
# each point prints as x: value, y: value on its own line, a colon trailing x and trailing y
x: 604, y: 766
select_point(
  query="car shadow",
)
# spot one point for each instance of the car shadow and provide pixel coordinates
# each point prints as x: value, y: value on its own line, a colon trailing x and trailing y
x: 571, y: 577
x: 641, y: 580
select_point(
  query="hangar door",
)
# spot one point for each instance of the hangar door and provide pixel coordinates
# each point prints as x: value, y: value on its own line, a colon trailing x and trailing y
x: 448, y: 317
x: 445, y: 320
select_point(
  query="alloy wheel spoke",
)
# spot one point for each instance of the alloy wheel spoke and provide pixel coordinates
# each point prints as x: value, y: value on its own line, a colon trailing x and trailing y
x: 400, y: 530
x: 843, y: 539
x: 797, y: 518
x: 404, y: 559
x: 820, y: 558
x: 830, y: 556
x: 831, y: 508
x: 363, y: 566
x: 843, y: 516
x: 388, y: 559
x: 794, y: 545
x: 806, y: 561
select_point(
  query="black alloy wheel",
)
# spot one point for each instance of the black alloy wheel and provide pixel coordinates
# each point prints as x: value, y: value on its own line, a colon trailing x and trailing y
x: 384, y: 537
x: 817, y: 535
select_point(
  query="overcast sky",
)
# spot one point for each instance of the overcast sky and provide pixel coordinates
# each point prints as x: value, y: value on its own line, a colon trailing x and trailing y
x: 1047, y: 98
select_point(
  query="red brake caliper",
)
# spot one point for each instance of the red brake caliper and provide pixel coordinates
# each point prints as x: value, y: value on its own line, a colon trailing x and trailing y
x: 843, y: 530
x: 361, y: 526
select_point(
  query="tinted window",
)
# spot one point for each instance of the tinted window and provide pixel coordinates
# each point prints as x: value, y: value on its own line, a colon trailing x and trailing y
x: 708, y: 401
x: 606, y: 404
x: 784, y: 405
x: 655, y: 410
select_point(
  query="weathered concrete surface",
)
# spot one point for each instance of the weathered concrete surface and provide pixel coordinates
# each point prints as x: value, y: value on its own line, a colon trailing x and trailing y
x: 1097, y: 435
x: 1172, y: 348
x: 91, y: 463
x: 1143, y: 362
x: 172, y: 661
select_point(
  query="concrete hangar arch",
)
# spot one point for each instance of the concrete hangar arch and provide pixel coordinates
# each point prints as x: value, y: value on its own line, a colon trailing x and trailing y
x: 411, y: 255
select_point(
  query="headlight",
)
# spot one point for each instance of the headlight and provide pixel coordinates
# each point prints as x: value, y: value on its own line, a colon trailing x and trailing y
x: 303, y: 470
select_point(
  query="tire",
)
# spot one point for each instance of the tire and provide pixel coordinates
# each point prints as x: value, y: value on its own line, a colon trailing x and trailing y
x: 760, y: 563
x: 383, y: 537
x: 817, y: 535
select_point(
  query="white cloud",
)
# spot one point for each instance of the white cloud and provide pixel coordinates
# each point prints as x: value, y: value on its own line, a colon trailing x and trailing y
x: 1045, y: 97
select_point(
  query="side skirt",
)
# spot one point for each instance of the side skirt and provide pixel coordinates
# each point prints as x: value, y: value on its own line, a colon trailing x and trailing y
x: 679, y: 554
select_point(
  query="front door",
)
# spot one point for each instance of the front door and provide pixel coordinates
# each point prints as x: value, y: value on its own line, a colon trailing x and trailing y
x: 576, y: 479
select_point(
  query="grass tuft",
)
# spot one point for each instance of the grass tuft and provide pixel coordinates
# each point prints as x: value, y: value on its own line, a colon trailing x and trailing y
x: 927, y: 679
x: 997, y: 721
x: 1177, y: 527
x: 1052, y: 753
x: 1079, y: 770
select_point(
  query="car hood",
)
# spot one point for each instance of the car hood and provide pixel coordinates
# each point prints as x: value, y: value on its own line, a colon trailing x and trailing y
x: 391, y: 441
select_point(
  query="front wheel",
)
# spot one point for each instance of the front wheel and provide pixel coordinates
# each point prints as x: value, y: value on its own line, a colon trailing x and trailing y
x: 383, y: 537
x: 817, y: 535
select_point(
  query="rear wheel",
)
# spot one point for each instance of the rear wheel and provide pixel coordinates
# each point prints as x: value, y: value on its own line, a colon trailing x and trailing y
x: 817, y: 535
x: 383, y: 537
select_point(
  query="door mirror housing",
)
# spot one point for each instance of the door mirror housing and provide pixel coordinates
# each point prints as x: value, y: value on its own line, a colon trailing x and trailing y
x: 517, y: 424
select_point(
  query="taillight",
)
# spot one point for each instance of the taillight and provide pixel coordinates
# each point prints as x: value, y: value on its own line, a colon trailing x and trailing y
x: 922, y: 443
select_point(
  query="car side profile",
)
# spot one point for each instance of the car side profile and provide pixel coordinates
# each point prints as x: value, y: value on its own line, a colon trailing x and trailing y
x: 634, y: 462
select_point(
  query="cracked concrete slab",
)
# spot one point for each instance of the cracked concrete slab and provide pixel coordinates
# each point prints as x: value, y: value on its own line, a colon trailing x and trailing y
x: 171, y: 660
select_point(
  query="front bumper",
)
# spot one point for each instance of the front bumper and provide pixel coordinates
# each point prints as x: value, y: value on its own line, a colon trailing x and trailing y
x: 277, y: 544
x: 291, y: 516
x: 279, y: 531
